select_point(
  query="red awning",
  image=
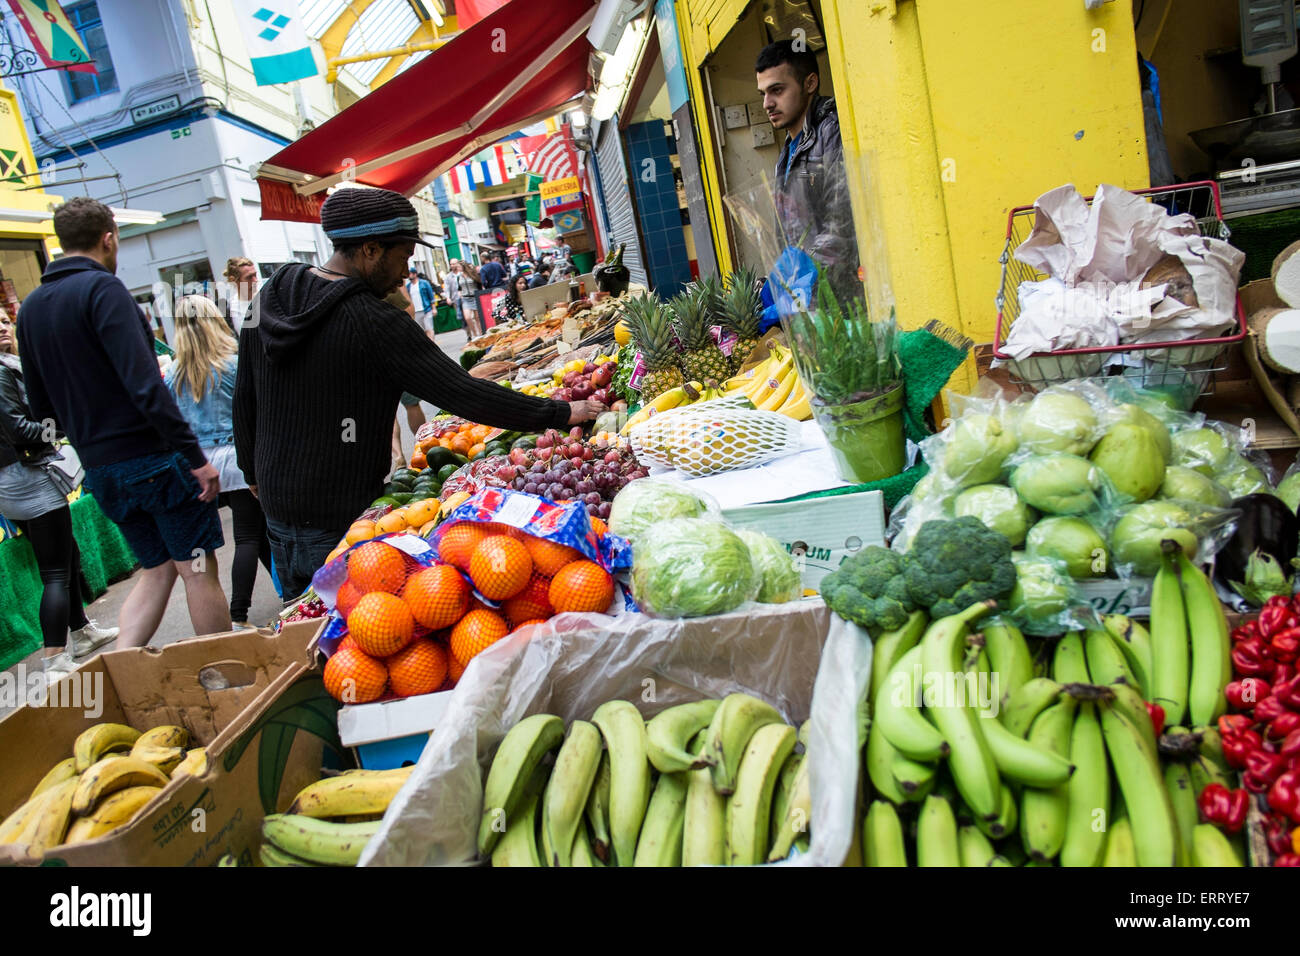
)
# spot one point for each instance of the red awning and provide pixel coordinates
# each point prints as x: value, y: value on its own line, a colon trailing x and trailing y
x: 517, y: 66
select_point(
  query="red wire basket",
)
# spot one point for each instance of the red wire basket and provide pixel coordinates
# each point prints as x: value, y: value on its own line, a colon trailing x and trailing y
x: 1188, y: 363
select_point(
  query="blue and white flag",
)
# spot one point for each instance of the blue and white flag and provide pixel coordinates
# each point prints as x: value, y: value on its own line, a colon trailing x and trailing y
x: 276, y: 40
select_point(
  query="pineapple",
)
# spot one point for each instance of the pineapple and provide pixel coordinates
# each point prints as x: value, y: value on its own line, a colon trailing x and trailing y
x: 652, y: 335
x: 702, y: 360
x: 741, y: 312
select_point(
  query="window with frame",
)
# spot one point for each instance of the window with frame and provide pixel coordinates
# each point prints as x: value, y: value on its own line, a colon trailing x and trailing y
x: 85, y: 18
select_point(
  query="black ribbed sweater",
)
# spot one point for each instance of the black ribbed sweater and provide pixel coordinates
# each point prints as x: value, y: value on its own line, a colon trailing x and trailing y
x: 322, y: 366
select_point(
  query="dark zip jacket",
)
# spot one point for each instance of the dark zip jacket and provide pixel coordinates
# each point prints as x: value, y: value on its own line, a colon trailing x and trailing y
x: 812, y: 192
x: 322, y: 367
x: 89, y: 364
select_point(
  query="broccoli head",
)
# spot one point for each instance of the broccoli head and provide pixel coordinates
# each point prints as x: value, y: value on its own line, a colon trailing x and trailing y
x: 870, y: 590
x: 953, y: 564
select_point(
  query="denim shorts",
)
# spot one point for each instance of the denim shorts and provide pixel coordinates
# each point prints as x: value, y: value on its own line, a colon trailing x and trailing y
x: 154, y: 501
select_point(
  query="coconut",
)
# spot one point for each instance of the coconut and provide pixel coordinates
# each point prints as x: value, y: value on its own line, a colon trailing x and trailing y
x: 1071, y: 540
x: 1286, y: 274
x: 999, y: 508
x: 1277, y: 334
x: 1058, y: 421
x: 1131, y: 460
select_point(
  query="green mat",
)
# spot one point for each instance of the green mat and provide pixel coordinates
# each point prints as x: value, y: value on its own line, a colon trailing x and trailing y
x: 105, y: 558
x: 1261, y: 238
x: 928, y: 357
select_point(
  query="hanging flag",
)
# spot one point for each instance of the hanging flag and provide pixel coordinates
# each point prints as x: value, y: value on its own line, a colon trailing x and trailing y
x: 54, y: 39
x: 470, y: 12
x: 553, y: 159
x: 276, y: 40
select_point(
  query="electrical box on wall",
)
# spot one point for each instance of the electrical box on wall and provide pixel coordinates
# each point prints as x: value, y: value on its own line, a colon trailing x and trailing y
x: 756, y: 112
x: 735, y: 117
x: 764, y: 135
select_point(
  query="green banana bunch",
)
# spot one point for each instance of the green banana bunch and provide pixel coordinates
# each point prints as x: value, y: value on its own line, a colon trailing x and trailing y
x: 1170, y: 668
x: 623, y: 728
x: 737, y: 719
x: 974, y: 848
x: 970, y: 761
x: 1182, y: 799
x: 1008, y: 655
x: 1135, y: 643
x: 891, y: 645
x: 704, y: 821
x: 882, y: 836
x: 792, y: 815
x: 1211, y: 647
x: 1021, y: 706
x: 1137, y: 769
x: 668, y: 733
x: 1088, y: 814
x: 1211, y: 848
x: 749, y: 811
x: 879, y: 760
x: 899, y: 717
x: 1044, y: 813
x: 518, y: 755
x: 660, y: 843
x: 936, y: 834
x: 318, y: 841
x: 518, y: 845
x: 565, y: 800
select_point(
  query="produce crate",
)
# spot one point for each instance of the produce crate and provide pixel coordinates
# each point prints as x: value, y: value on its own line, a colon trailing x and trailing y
x: 1173, y: 363
x: 799, y: 657
x: 254, y: 700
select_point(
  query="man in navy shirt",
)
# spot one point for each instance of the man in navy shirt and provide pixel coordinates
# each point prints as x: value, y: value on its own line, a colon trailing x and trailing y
x: 89, y: 366
x: 492, y: 274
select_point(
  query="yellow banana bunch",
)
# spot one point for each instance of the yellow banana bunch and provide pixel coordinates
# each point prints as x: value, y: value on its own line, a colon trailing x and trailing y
x: 774, y: 384
x: 681, y: 395
x: 798, y: 404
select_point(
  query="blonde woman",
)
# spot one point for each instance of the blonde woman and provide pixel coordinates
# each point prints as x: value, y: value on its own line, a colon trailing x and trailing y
x: 202, y: 378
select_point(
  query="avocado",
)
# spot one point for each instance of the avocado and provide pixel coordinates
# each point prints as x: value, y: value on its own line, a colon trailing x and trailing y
x: 527, y: 442
x: 437, y: 456
x: 446, y: 471
x: 403, y: 497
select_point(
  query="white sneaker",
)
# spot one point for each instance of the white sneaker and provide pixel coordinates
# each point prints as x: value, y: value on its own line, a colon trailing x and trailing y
x: 57, y: 666
x: 85, y: 640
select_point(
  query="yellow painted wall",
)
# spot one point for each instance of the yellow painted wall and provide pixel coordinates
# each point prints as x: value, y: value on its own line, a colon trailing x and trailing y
x: 952, y: 114
x: 13, y: 137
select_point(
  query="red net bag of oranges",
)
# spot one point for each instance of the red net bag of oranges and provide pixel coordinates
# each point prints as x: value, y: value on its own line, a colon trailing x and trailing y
x: 410, y: 614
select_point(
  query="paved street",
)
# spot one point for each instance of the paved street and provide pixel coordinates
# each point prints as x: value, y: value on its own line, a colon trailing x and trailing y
x: 175, y: 624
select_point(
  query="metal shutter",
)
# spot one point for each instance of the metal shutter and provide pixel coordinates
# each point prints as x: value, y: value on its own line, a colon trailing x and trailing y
x: 619, y: 211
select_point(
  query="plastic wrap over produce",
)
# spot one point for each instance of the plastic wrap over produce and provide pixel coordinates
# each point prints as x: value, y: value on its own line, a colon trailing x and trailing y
x: 803, y: 660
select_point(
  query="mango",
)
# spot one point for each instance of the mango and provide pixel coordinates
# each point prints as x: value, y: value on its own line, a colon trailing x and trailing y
x: 1135, y: 539
x: 1059, y: 484
x: 1131, y: 460
x: 980, y: 443
x: 1186, y: 484
x: 999, y: 508
x: 1058, y: 421
x: 1072, y: 541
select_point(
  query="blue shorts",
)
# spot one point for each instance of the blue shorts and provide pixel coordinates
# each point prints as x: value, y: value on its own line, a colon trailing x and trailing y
x: 154, y: 501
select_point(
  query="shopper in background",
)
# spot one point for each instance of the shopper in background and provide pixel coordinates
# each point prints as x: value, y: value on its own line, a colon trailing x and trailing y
x: 492, y: 274
x: 811, y: 193
x: 420, y: 291
x: 313, y: 419
x: 461, y: 290
x: 241, y: 280
x: 89, y: 365
x: 202, y: 380
x: 509, y: 308
x: 541, y: 277
x: 31, y: 498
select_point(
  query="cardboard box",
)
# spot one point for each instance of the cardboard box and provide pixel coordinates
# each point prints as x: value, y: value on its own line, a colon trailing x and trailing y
x: 392, y: 733
x: 257, y: 703
x: 1131, y: 598
x: 820, y: 532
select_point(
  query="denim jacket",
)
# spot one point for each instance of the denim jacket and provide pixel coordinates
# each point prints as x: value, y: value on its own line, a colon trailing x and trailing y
x: 210, y: 417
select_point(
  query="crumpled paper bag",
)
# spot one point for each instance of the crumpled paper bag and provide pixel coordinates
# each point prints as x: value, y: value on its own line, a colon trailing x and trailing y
x: 1100, y: 254
x: 799, y: 657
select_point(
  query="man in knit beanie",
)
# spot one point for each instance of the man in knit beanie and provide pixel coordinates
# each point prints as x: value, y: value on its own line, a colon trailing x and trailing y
x: 322, y: 371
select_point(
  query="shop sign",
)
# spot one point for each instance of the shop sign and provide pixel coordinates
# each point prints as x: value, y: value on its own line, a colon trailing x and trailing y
x: 151, y: 111
x: 561, y: 194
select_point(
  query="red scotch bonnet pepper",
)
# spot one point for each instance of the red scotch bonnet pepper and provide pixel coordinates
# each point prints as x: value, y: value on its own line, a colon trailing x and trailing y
x: 1223, y: 807
x: 1244, y: 694
x: 1284, y: 795
x: 1253, y: 658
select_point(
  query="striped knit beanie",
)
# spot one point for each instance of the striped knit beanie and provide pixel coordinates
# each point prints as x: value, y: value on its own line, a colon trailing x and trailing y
x: 357, y: 214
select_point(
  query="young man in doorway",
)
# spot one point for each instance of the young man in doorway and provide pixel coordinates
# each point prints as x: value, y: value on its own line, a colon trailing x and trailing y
x: 812, y: 194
